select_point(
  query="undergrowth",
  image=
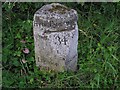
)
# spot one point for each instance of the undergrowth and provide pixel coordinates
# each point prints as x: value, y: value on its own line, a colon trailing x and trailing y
x: 98, y: 48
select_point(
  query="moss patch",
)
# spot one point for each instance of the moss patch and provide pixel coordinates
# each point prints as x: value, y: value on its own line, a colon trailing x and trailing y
x: 59, y: 9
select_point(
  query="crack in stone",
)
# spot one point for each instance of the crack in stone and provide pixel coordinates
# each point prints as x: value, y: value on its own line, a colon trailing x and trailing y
x: 48, y: 31
x: 67, y: 62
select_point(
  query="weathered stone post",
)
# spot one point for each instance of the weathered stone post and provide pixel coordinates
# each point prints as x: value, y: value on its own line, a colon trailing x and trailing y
x: 56, y: 37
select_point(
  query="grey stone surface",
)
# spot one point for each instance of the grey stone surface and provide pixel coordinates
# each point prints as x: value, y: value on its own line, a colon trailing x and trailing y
x: 56, y: 37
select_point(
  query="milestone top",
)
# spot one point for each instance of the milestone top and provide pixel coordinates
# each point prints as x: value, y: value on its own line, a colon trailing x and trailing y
x: 56, y: 16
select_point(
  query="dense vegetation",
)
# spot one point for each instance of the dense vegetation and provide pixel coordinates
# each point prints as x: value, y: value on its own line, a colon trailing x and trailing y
x: 98, y: 49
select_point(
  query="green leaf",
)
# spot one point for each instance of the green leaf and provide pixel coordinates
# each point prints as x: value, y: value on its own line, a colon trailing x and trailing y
x: 31, y: 80
x: 17, y: 53
x: 16, y: 62
x: 18, y: 35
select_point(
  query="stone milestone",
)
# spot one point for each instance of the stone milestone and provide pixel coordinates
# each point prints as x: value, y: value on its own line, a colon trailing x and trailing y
x: 56, y: 37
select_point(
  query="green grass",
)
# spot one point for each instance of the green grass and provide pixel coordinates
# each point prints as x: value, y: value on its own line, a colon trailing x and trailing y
x: 98, y: 48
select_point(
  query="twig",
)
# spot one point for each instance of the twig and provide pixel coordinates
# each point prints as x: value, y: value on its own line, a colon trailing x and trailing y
x: 84, y: 33
x: 23, y: 67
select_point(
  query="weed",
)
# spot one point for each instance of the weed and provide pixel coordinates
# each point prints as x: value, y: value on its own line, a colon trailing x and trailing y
x: 98, y: 48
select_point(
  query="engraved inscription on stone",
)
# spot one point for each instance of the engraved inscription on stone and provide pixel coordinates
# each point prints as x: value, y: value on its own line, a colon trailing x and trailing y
x: 56, y: 37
